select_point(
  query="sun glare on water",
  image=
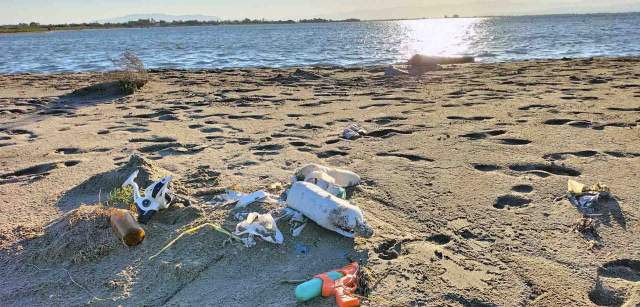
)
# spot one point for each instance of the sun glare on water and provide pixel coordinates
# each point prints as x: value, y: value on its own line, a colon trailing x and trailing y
x: 440, y: 37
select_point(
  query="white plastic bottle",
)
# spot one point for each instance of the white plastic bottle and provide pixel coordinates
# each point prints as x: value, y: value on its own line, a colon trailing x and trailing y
x: 343, y: 178
x: 327, y: 210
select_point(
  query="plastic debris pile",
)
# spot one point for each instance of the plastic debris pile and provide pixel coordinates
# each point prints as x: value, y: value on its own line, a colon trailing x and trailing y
x: 317, y: 193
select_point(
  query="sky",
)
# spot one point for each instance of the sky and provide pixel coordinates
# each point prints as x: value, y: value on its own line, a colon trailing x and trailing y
x: 65, y: 11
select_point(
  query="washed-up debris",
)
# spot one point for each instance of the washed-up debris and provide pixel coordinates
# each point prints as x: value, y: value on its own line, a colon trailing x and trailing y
x: 353, y: 131
x: 302, y: 249
x: 156, y: 196
x: 420, y: 59
x: 242, y: 200
x: 392, y: 71
x: 326, y: 182
x: 248, y: 199
x: 585, y: 197
x: 420, y: 64
x: 193, y: 230
x: 297, y: 220
x: 588, y: 227
x: 92, y: 190
x: 261, y: 225
x: 578, y: 188
x: 327, y: 210
x: 275, y: 187
x: 126, y: 227
x: 342, y: 178
x: 341, y: 283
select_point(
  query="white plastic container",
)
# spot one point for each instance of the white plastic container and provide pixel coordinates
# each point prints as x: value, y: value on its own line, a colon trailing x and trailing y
x: 343, y: 178
x: 327, y: 210
x: 326, y: 182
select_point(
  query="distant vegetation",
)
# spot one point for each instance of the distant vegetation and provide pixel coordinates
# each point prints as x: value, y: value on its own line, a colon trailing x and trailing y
x: 144, y: 23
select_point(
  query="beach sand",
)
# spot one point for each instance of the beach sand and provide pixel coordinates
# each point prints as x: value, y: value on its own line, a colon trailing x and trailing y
x: 464, y: 173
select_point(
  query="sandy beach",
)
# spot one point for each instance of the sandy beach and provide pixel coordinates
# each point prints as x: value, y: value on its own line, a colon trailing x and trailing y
x: 464, y: 174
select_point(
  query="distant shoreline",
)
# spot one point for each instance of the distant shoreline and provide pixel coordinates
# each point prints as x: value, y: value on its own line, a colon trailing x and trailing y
x: 150, y: 23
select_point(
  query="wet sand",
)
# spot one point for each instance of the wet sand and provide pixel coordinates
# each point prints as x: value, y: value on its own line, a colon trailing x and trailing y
x: 464, y: 173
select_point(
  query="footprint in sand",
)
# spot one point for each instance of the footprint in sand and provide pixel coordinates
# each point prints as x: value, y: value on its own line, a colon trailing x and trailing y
x: 622, y: 154
x: 408, y: 156
x: 69, y: 151
x: 486, y: 167
x: 563, y: 155
x: 385, y: 120
x: 387, y: 133
x: 471, y: 118
x: 267, y: 149
x: 154, y: 139
x: 617, y: 284
x: 522, y: 188
x: 513, y: 141
x: 439, y: 239
x: 536, y: 107
x: 544, y: 170
x: 508, y: 201
x: 483, y: 134
x: 35, y: 172
x: 389, y: 249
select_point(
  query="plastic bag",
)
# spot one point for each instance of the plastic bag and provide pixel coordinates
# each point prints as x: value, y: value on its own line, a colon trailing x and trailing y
x: 261, y: 225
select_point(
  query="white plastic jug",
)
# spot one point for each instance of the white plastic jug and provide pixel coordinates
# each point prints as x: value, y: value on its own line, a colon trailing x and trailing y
x: 327, y: 210
x: 326, y: 182
x: 343, y: 178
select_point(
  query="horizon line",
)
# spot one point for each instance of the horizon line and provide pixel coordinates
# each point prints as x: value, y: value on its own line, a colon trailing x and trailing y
x: 331, y: 19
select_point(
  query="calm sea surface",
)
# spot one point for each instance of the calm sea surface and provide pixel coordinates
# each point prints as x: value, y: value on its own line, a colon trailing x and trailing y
x: 347, y: 44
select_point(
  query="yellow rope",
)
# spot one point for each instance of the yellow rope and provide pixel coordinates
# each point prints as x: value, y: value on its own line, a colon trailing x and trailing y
x: 193, y: 230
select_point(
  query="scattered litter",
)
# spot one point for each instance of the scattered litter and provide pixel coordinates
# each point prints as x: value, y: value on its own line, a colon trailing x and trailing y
x: 392, y: 71
x: 420, y: 64
x: 250, y: 199
x: 585, y: 197
x: 297, y: 220
x: 275, y: 187
x: 193, y: 230
x: 343, y: 178
x: 341, y: 283
x: 226, y: 198
x: 126, y: 227
x: 579, y: 189
x: 302, y: 249
x: 242, y: 200
x: 327, y: 210
x: 587, y: 226
x: 156, y: 196
x: 353, y: 131
x: 261, y: 225
x: 425, y: 60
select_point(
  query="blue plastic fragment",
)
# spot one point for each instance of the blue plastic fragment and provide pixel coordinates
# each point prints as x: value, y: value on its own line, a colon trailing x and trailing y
x: 302, y: 249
